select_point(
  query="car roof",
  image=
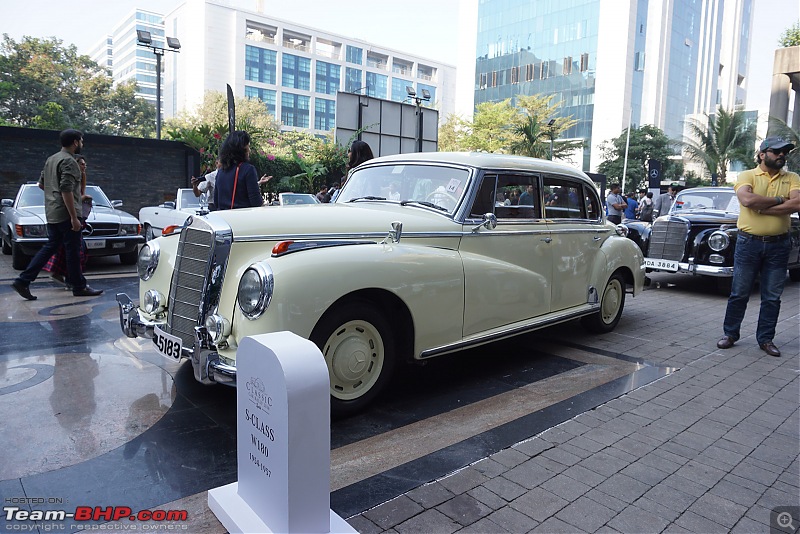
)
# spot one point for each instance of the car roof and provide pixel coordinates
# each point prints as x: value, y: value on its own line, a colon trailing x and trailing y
x: 711, y: 189
x: 481, y: 160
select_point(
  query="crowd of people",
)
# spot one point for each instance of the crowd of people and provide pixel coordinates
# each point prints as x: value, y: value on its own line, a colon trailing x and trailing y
x: 639, y: 205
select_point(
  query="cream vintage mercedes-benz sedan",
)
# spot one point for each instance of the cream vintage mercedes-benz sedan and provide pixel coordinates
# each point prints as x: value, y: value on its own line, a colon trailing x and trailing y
x: 421, y: 255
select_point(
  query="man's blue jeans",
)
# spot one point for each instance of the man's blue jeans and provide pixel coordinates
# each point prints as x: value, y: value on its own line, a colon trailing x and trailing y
x: 58, y: 234
x: 766, y: 262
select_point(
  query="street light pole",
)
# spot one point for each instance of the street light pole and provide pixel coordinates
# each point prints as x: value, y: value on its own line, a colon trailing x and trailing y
x: 550, y: 125
x: 146, y: 40
x: 426, y: 96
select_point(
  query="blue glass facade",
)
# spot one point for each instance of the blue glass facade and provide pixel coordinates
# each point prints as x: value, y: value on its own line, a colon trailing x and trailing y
x: 327, y: 81
x: 399, y: 89
x: 355, y: 55
x: 260, y: 65
x: 352, y: 80
x: 540, y: 47
x: 432, y: 90
x: 295, y: 110
x: 296, y: 72
x: 324, y: 114
x: 377, y: 85
x: 267, y: 96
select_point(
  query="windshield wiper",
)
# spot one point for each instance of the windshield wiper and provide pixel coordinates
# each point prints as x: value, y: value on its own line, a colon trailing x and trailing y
x: 423, y: 203
x: 366, y: 198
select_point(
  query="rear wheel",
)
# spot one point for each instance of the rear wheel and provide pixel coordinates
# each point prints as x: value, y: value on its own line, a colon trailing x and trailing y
x: 612, y: 302
x: 19, y: 260
x: 358, y: 345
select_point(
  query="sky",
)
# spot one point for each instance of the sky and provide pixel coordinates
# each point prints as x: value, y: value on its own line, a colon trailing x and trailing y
x: 428, y: 28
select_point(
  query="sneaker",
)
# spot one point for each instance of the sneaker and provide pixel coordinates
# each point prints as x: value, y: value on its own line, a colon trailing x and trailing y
x: 86, y: 292
x: 23, y: 290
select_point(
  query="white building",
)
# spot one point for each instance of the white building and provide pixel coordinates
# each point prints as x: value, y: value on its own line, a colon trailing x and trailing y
x: 295, y: 70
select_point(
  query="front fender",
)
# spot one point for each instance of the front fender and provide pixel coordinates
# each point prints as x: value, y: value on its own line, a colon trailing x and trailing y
x: 428, y: 281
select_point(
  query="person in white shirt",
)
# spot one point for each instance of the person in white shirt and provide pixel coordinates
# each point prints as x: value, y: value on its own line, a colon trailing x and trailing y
x: 205, y: 184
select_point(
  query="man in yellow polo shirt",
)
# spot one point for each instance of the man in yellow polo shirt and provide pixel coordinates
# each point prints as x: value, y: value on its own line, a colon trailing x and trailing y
x: 768, y: 195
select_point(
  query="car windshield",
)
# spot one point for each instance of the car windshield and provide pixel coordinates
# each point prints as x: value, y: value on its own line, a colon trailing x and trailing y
x: 188, y: 200
x: 98, y: 197
x: 706, y: 200
x: 298, y: 198
x: 31, y: 196
x: 436, y: 187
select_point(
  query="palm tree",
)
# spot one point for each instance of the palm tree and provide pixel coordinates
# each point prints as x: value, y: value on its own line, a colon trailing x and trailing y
x: 724, y: 138
x: 536, y: 139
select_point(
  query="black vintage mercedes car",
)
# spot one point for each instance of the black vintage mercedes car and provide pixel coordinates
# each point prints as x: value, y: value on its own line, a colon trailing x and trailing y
x: 698, y: 236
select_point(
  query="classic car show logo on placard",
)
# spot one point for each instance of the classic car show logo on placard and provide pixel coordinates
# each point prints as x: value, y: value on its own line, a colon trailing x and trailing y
x: 257, y: 393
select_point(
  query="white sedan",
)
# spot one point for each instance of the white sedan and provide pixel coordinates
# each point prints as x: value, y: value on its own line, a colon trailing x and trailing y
x: 155, y: 218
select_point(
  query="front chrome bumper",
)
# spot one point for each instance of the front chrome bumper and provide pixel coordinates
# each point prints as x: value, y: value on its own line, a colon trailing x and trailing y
x: 705, y: 270
x: 208, y: 369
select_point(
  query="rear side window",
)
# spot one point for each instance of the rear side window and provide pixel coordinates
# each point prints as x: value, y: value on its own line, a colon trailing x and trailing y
x: 508, y: 196
x: 563, y: 199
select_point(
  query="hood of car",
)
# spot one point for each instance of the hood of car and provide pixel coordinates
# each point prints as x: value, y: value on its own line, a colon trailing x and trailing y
x: 707, y: 216
x: 110, y: 215
x: 32, y: 215
x: 349, y: 219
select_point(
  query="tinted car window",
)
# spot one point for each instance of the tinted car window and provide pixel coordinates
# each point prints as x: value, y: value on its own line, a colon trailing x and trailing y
x: 562, y: 199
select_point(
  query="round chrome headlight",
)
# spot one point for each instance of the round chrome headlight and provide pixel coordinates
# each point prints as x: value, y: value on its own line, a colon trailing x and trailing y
x: 218, y: 327
x: 154, y: 302
x: 255, y: 290
x: 718, y: 241
x: 621, y: 230
x: 148, y: 260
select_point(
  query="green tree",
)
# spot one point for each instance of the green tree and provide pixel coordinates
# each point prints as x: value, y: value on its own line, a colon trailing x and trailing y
x: 251, y: 114
x: 489, y: 130
x: 790, y: 36
x: 451, y: 132
x: 44, y: 84
x: 535, y: 136
x: 646, y: 142
x: 719, y: 140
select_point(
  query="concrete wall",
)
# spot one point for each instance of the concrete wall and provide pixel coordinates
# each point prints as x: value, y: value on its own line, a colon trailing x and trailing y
x: 140, y: 172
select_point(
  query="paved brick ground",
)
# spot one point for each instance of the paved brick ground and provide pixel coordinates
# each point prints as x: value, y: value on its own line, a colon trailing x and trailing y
x: 713, y: 447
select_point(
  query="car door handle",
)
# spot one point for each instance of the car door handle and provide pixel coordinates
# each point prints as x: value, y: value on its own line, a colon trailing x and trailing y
x: 596, y: 238
x: 547, y: 239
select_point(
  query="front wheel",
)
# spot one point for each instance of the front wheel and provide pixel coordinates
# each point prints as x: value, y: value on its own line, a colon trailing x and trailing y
x: 612, y: 302
x: 358, y: 345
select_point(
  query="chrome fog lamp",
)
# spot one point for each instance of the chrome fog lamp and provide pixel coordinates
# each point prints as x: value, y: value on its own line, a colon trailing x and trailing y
x: 148, y: 260
x: 219, y: 328
x: 718, y: 241
x: 716, y: 258
x: 154, y: 302
x: 255, y: 290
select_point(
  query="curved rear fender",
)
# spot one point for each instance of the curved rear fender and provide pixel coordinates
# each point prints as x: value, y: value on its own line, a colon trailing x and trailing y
x: 620, y: 253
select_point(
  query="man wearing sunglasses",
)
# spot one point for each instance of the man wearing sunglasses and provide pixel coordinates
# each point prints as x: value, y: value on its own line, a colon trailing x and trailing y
x: 768, y: 195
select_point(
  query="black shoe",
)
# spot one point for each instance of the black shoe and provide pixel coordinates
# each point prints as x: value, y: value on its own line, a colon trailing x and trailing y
x: 726, y: 342
x: 770, y: 348
x: 23, y: 290
x: 86, y: 292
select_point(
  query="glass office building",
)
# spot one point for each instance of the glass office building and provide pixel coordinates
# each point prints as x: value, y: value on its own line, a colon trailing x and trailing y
x: 609, y: 64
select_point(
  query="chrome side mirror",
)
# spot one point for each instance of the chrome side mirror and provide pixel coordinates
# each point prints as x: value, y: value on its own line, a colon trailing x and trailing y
x: 489, y: 222
x: 394, y: 233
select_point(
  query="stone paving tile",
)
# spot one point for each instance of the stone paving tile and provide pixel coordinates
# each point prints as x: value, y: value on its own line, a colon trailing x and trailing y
x: 532, y: 447
x: 745, y: 483
x: 428, y: 522
x: 773, y: 497
x: 744, y: 437
x: 511, y: 520
x: 575, y: 427
x: 528, y: 475
x: 572, y: 449
x: 658, y: 509
x: 759, y: 514
x: 773, y: 455
x: 586, y: 514
x: 694, y: 441
x: 590, y: 445
x: 727, y: 416
x: 509, y: 457
x: 736, y: 493
x: 728, y: 445
x: 600, y: 435
x: 637, y: 445
x: 635, y: 519
x: 463, y: 480
x: 504, y: 488
x: 697, y: 523
x: 751, y: 470
x: 566, y: 487
x: 720, y: 455
x: 487, y: 497
x: 710, y: 428
x: 581, y: 474
x: 430, y: 495
x: 702, y: 474
x: 623, y: 487
x: 489, y: 468
x: 539, y: 504
x: 464, y: 509
x: 561, y: 456
x: 603, y: 464
x: 644, y: 473
x: 393, y: 512
x: 364, y: 525
x: 557, y: 435
x: 555, y: 526
x: 551, y: 465
x: 685, y: 485
x: 718, y: 509
x: 619, y: 454
x: 485, y: 526
x: 747, y: 526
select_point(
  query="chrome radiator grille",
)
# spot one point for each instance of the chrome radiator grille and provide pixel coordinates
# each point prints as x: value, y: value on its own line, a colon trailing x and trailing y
x: 189, y: 282
x: 668, y: 239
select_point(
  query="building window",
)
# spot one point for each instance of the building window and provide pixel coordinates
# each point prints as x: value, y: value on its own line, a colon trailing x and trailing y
x: 482, y: 81
x: 638, y: 61
x: 295, y: 110
x: 567, y: 67
x: 259, y: 65
x: 425, y: 72
x: 493, y: 82
x: 327, y: 78
x: 584, y: 62
x: 296, y: 72
x: 377, y: 85
x: 399, y: 89
x: 267, y: 96
x: 260, y: 32
x: 354, y: 55
x: 324, y: 114
x: 352, y: 80
x: 514, y: 75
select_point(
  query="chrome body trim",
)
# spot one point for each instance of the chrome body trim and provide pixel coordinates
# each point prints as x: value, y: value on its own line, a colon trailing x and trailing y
x: 130, y: 320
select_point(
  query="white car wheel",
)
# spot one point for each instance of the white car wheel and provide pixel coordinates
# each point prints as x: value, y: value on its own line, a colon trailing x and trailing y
x: 612, y: 302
